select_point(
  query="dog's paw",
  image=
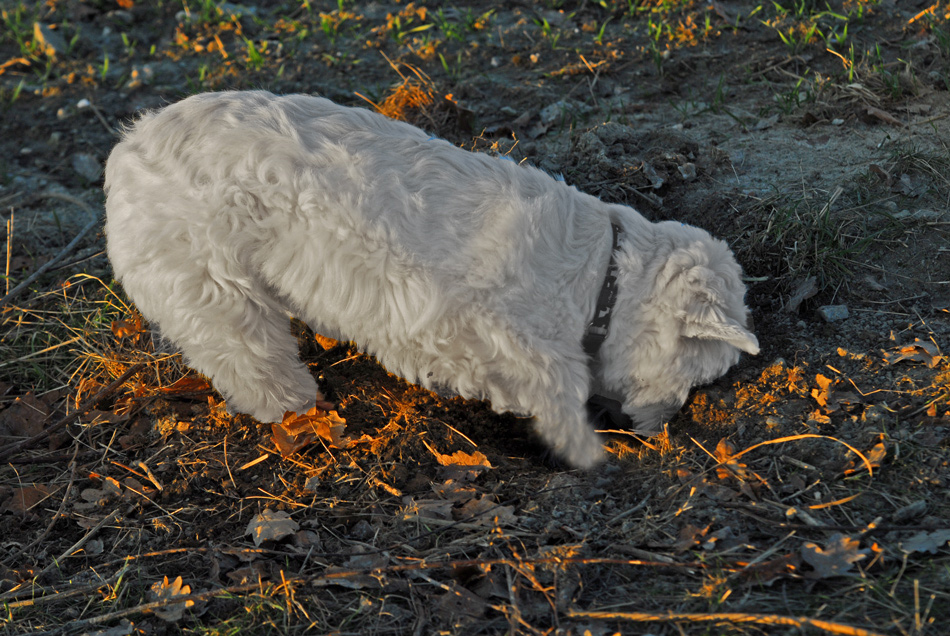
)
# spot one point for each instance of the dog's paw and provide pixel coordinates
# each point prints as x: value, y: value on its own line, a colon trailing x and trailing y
x: 586, y: 451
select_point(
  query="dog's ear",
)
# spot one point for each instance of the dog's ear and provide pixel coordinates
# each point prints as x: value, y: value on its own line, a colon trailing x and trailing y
x: 705, y: 316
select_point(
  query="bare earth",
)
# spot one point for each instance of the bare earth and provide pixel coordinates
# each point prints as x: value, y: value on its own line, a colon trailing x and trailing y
x: 805, y: 492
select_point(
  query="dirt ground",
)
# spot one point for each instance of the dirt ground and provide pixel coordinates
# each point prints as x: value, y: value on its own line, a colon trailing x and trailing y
x: 804, y: 492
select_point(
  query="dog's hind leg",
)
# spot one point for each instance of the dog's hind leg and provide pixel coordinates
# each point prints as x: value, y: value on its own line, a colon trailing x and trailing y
x: 232, y: 331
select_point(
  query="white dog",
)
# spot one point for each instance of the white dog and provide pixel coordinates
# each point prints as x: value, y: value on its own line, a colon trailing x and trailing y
x: 228, y: 211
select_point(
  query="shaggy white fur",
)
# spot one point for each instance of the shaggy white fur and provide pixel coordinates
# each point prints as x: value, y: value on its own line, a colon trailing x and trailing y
x: 228, y: 211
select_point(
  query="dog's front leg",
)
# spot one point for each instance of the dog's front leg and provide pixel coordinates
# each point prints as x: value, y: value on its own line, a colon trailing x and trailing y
x: 560, y: 419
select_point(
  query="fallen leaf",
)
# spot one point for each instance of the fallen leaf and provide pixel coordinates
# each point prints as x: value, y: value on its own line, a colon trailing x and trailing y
x: 822, y: 394
x: 829, y: 398
x: 127, y: 328
x: 768, y: 572
x: 875, y: 457
x: 724, y: 539
x: 460, y: 603
x: 325, y: 343
x: 926, y: 541
x: 124, y: 628
x: 26, y: 497
x: 254, y: 572
x: 485, y: 511
x: 920, y: 351
x: 426, y: 508
x: 271, y: 526
x: 689, y: 537
x: 289, y: 444
x: 836, y: 559
x: 729, y: 467
x: 165, y: 591
x: 461, y: 465
x: 326, y: 424
x: 298, y: 431
x: 25, y: 417
x: 453, y: 490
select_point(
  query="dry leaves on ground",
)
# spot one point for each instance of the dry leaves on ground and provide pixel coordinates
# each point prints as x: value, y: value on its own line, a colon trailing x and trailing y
x: 296, y: 432
x: 271, y: 526
x: 168, y: 590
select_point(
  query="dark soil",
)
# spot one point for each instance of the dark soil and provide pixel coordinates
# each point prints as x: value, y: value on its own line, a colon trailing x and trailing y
x: 805, y: 171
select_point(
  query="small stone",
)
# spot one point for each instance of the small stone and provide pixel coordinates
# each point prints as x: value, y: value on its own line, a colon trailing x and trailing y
x: 910, y: 511
x: 687, y: 171
x: 928, y: 215
x: 119, y: 15
x: 87, y: 166
x: 832, y: 313
x: 837, y: 121
x: 48, y: 40
x: 553, y: 112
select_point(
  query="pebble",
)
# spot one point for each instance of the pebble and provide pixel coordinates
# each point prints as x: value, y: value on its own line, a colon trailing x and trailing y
x: 87, y: 166
x: 832, y: 313
x: 687, y: 171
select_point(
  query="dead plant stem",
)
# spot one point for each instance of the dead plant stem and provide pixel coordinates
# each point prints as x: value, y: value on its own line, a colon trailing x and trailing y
x: 93, y: 222
x: 728, y: 617
x: 12, y: 449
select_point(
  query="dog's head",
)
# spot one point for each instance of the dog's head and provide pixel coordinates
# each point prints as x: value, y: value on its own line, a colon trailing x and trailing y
x: 680, y: 321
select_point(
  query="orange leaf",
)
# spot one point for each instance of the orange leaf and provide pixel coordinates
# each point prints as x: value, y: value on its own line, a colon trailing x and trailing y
x: 127, y: 328
x: 287, y: 443
x: 328, y: 425
x: 461, y: 458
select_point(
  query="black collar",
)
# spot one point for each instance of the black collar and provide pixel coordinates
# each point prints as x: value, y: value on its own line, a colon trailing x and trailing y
x: 596, y: 331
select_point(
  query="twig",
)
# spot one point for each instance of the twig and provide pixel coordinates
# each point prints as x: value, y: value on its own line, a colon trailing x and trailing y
x: 67, y: 419
x: 417, y: 566
x: 627, y: 513
x: 53, y: 597
x: 98, y: 113
x: 730, y: 617
x: 95, y: 530
x: 154, y: 605
x: 107, y: 520
x: 72, y: 478
x: 93, y: 222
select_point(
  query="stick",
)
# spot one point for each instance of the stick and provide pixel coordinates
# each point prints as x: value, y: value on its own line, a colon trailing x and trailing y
x: 72, y: 478
x: 115, y: 515
x: 63, y: 252
x: 731, y: 617
x: 66, y: 419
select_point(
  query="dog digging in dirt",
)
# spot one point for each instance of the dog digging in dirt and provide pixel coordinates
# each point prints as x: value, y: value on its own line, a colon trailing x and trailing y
x: 228, y: 212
